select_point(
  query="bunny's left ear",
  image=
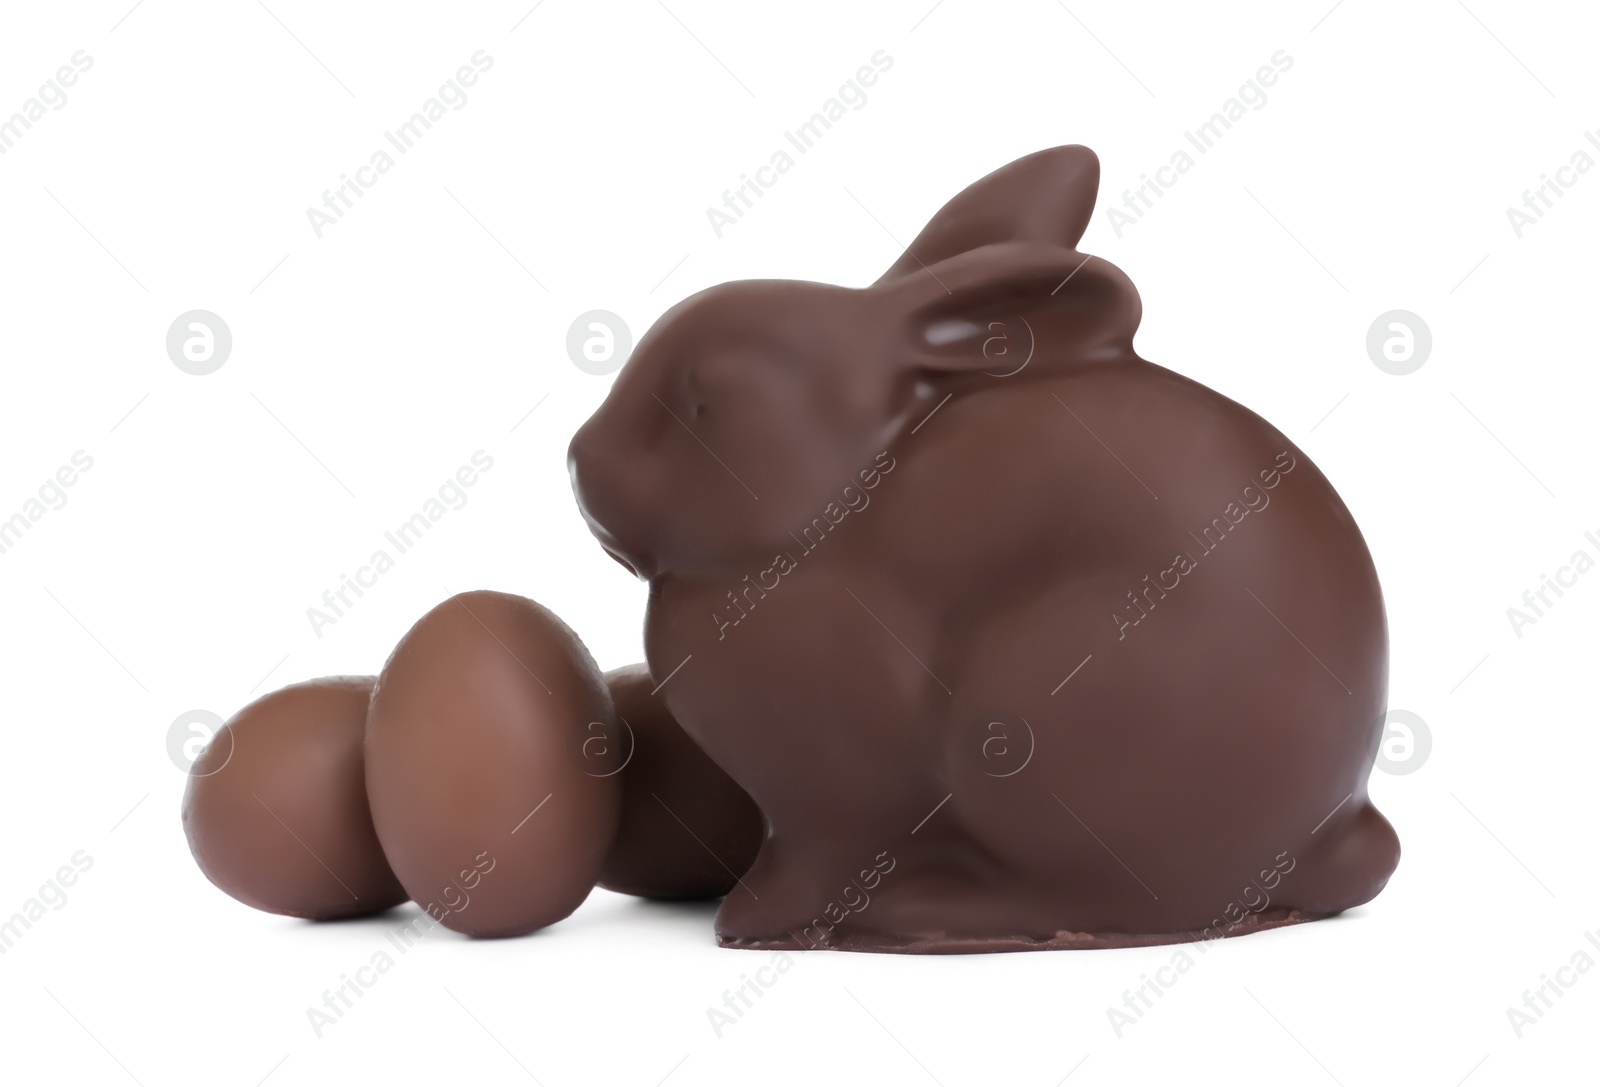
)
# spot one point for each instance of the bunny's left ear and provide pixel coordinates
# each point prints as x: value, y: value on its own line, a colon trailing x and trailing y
x: 1044, y: 198
x: 995, y: 272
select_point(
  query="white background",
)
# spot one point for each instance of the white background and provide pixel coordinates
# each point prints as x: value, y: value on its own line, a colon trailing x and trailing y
x: 369, y: 364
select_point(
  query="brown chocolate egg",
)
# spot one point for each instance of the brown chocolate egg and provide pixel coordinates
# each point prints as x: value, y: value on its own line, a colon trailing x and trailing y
x: 687, y: 830
x: 276, y: 805
x: 494, y: 804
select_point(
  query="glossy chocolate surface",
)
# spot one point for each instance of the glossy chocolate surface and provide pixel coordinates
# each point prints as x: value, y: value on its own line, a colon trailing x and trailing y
x: 494, y: 808
x: 687, y: 829
x: 1017, y: 639
x: 275, y: 808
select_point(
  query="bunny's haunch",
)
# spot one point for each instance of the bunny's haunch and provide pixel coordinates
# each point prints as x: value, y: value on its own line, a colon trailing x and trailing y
x: 1140, y: 601
x: 1117, y: 807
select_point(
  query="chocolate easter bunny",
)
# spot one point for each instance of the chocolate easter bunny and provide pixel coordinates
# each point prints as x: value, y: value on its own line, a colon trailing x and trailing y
x: 1018, y: 640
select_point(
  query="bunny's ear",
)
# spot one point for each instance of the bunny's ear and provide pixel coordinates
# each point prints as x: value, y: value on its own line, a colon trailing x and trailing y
x: 999, y: 307
x: 1045, y: 198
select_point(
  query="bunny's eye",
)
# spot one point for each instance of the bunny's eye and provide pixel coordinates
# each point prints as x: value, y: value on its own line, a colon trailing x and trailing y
x: 707, y: 380
x: 715, y: 383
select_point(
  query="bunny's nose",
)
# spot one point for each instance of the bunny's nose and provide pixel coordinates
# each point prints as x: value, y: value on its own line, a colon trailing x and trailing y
x: 585, y: 466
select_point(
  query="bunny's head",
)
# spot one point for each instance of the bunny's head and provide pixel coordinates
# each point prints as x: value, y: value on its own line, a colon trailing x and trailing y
x: 746, y: 408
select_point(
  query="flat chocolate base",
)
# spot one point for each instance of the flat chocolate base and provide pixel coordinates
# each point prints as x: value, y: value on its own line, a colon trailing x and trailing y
x: 940, y: 944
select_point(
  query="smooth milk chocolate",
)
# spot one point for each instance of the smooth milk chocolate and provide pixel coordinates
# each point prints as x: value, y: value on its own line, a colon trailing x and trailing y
x: 275, y: 808
x: 1018, y: 639
x: 687, y: 829
x: 494, y: 803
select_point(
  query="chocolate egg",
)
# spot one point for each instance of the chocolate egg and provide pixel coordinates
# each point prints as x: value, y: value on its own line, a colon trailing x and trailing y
x: 687, y: 830
x: 276, y: 805
x: 494, y: 805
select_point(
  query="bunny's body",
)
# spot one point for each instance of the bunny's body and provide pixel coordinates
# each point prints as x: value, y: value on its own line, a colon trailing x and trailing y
x: 1069, y: 650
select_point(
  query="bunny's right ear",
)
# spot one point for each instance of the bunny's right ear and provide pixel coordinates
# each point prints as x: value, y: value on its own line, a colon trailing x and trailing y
x: 1044, y: 198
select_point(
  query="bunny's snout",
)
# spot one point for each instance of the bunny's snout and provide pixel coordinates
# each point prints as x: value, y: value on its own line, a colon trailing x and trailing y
x: 600, y: 475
